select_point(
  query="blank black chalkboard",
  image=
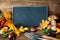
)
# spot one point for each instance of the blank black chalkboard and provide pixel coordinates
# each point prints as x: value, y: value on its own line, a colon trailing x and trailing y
x: 29, y: 15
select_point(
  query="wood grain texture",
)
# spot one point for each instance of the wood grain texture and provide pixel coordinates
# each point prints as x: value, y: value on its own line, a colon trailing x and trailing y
x: 54, y: 5
x: 10, y: 3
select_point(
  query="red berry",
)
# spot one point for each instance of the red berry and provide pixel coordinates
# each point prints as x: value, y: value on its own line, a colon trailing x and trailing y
x: 2, y: 24
x: 3, y: 19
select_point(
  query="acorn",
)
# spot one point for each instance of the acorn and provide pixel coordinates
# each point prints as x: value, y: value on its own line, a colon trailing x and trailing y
x: 32, y: 29
x: 49, y: 27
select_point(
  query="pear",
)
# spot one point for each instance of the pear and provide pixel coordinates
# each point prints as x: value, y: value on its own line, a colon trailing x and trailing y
x: 26, y: 28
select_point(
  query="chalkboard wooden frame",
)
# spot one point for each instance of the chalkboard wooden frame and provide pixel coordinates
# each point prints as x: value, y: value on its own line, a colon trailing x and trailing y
x: 24, y: 15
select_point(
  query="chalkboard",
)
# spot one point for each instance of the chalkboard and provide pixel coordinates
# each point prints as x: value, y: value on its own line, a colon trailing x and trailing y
x: 29, y: 15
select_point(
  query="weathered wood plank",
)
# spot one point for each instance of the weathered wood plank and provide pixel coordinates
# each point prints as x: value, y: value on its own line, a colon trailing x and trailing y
x: 9, y: 4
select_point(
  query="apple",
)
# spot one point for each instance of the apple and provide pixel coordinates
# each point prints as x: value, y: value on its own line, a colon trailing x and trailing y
x: 58, y: 25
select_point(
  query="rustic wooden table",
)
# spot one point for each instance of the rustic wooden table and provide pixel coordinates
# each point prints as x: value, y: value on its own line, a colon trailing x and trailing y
x: 48, y: 37
x: 22, y: 37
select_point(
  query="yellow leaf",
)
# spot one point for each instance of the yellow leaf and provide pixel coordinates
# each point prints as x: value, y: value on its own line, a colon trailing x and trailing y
x: 7, y: 15
x: 58, y: 31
